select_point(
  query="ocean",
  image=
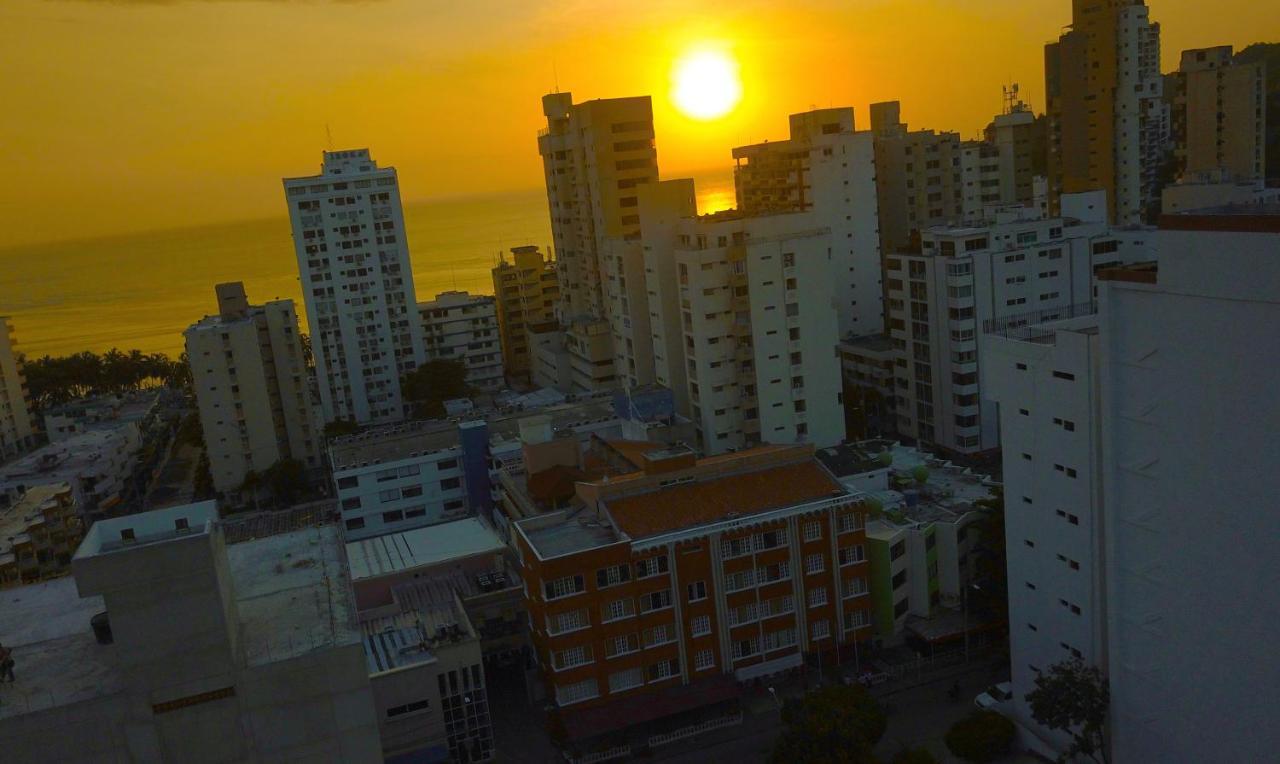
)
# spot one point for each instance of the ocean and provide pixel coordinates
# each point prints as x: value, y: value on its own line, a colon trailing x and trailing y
x: 140, y: 291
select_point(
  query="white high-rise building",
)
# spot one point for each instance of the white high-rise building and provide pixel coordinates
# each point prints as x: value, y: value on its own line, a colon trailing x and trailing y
x: 16, y: 430
x: 743, y: 317
x: 830, y: 169
x: 357, y: 283
x: 1017, y: 268
x: 464, y: 327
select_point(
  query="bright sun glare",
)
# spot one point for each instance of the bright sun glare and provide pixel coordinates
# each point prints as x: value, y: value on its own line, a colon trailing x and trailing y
x: 705, y: 85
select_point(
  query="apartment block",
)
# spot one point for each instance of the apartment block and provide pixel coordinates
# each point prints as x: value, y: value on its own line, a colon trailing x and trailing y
x: 38, y: 535
x: 526, y: 291
x: 17, y: 431
x: 357, y: 283
x: 169, y: 644
x: 1218, y: 119
x: 100, y: 466
x: 756, y: 361
x: 661, y: 589
x: 457, y: 326
x: 1017, y: 267
x: 918, y: 178
x: 828, y: 168
x: 252, y: 387
x: 1108, y: 123
x: 1001, y: 169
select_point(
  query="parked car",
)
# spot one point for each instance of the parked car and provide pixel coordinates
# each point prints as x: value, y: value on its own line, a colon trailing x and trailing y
x: 993, y: 695
x: 868, y: 679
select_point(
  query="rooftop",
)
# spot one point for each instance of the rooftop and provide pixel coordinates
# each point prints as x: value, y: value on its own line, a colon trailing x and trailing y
x: 421, y: 547
x: 65, y: 460
x: 152, y: 527
x: 1261, y: 217
x: 567, y: 531
x: 726, y: 496
x: 878, y: 343
x: 15, y: 520
x: 414, y: 636
x: 851, y: 459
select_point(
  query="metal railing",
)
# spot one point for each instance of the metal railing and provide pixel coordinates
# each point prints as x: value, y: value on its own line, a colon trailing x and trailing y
x: 695, y: 729
x: 1026, y: 326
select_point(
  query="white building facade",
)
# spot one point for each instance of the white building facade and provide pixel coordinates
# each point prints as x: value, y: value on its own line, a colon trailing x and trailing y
x: 16, y: 427
x: 357, y: 283
x: 464, y: 327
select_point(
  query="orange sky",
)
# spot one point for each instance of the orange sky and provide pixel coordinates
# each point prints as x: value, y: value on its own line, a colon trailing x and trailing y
x: 129, y: 115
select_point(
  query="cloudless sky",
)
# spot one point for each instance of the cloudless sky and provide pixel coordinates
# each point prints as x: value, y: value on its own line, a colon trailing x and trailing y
x: 127, y: 115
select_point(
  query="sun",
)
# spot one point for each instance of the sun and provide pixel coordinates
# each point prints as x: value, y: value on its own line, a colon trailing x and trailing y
x: 705, y: 84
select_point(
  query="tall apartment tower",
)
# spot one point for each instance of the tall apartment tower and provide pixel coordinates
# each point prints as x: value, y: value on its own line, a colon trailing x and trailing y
x: 828, y: 168
x: 353, y: 257
x: 597, y: 155
x: 1218, y: 117
x: 252, y: 387
x: 526, y: 292
x: 743, y: 322
x: 16, y: 430
x: 918, y: 178
x: 458, y: 326
x: 1001, y: 168
x: 1108, y: 123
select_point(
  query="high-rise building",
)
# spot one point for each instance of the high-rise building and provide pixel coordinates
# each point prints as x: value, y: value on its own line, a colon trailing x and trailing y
x: 1001, y: 169
x: 1218, y: 119
x: 596, y: 155
x: 1016, y: 267
x: 918, y: 178
x: 526, y: 292
x: 658, y: 591
x: 252, y: 387
x: 829, y: 169
x: 743, y: 322
x: 464, y: 327
x: 16, y: 430
x: 1108, y: 123
x: 353, y: 258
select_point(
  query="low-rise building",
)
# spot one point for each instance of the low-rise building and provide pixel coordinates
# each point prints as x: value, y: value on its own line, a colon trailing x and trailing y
x: 38, y: 535
x: 457, y: 326
x: 526, y: 292
x: 100, y: 413
x: 97, y: 465
x: 663, y: 587
x: 170, y: 645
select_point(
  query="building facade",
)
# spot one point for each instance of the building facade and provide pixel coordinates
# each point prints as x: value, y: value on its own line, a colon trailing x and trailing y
x: 38, y: 535
x: 526, y: 292
x: 1108, y: 124
x: 357, y: 284
x: 17, y: 431
x: 457, y: 326
x: 828, y: 168
x: 761, y: 565
x: 252, y: 388
x: 1218, y: 120
x: 918, y: 178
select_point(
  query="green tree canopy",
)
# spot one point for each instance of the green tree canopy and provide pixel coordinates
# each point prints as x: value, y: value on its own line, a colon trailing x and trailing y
x: 980, y: 737
x: 1074, y: 698
x: 836, y: 724
x: 427, y: 387
x: 920, y: 474
x: 52, y: 381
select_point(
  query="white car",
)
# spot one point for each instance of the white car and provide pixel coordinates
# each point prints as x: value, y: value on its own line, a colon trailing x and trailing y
x: 994, y: 695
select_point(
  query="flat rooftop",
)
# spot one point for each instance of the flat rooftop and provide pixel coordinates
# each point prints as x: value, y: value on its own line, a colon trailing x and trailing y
x: 63, y: 461
x: 728, y: 496
x: 15, y: 520
x: 429, y: 620
x: 565, y: 532
x: 421, y: 547
x: 850, y: 459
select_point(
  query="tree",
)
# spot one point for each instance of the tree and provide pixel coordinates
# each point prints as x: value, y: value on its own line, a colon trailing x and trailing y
x: 837, y: 724
x: 913, y: 756
x: 286, y: 480
x: 1074, y: 698
x: 339, y: 427
x: 427, y: 387
x: 52, y: 381
x: 920, y: 474
x: 980, y: 737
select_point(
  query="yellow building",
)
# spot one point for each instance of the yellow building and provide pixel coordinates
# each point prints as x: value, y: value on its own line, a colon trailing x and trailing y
x: 526, y: 290
x: 1218, y: 115
x: 38, y: 535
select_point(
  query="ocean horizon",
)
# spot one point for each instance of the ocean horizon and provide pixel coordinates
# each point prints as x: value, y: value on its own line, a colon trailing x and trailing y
x: 140, y: 291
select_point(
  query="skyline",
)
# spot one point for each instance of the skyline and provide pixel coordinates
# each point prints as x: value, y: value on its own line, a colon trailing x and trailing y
x: 204, y: 139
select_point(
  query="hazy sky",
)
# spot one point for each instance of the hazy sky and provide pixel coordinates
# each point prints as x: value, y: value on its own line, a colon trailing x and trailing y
x: 124, y: 115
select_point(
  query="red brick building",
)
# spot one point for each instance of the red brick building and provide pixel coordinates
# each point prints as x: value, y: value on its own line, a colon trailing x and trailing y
x: 664, y: 588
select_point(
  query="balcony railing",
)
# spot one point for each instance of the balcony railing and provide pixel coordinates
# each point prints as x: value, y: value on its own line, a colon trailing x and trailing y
x: 1027, y: 326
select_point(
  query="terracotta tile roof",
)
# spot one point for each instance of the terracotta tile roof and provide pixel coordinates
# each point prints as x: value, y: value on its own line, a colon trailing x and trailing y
x: 634, y: 450
x: 691, y: 504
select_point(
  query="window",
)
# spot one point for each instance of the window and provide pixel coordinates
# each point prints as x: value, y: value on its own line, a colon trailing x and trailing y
x: 392, y: 517
x: 813, y: 563
x: 857, y: 619
x: 564, y: 587
x: 900, y: 608
x: 745, y: 648
x: 659, y: 635
x: 776, y: 640
x: 817, y: 596
x: 697, y: 591
x: 655, y: 601
x: 651, y: 566
x: 408, y: 708
x: 615, y: 646
x: 620, y: 681
x: 848, y: 523
x: 703, y: 660
x: 578, y: 655
x: 449, y: 484
x: 852, y: 554
x: 355, y: 523
x: 566, y: 622
x: 663, y: 670
x: 347, y: 482
x: 1064, y: 375
x: 899, y: 578
x: 812, y: 531
x: 897, y: 550
x: 578, y: 691
x: 612, y: 576
x: 856, y: 587
x: 701, y: 625
x: 820, y: 629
